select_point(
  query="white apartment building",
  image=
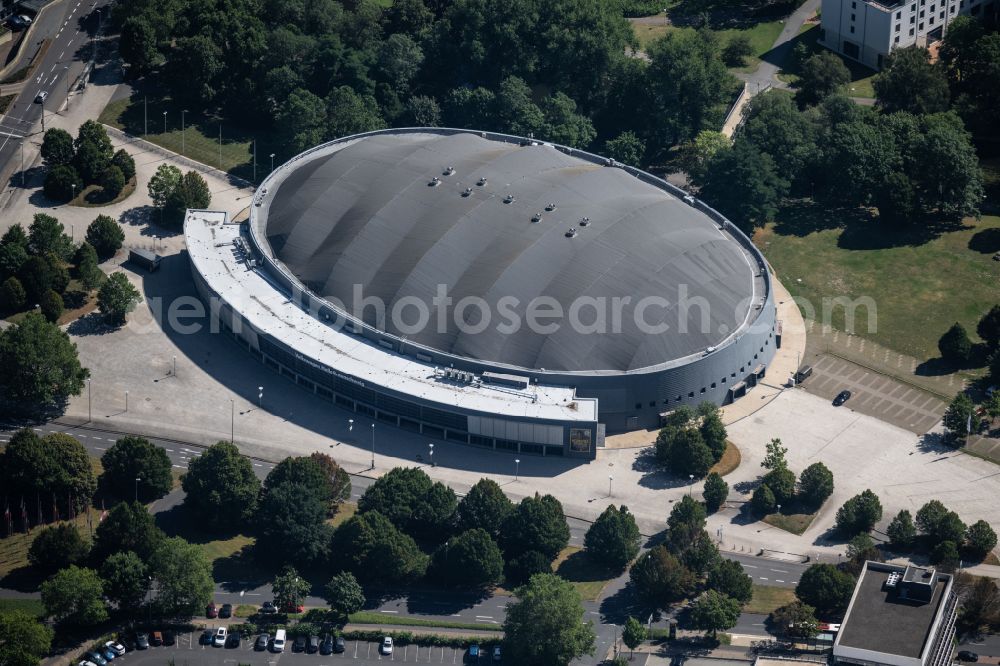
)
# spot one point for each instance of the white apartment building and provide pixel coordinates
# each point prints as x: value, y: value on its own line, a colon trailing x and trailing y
x: 868, y: 30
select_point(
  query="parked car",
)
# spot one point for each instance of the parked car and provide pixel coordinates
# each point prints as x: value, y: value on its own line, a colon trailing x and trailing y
x: 24, y: 19
x: 41, y: 97
x: 156, y: 639
x: 233, y: 640
x: 169, y: 638
x: 86, y: 663
x: 841, y: 398
x: 473, y: 653
x: 141, y: 641
x: 107, y: 653
x: 268, y: 608
x: 386, y: 647
x: 326, y: 647
x: 226, y: 610
x: 261, y: 642
x: 339, y: 645
x: 966, y: 655
x: 292, y: 608
x: 496, y: 653
x: 118, y: 648
x: 206, y: 637
x: 299, y: 645
x: 278, y: 644
x: 220, y: 637
x: 95, y: 657
x: 212, y: 611
x: 313, y: 645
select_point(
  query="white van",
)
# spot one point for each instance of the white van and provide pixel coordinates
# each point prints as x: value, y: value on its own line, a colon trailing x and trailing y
x: 279, y: 641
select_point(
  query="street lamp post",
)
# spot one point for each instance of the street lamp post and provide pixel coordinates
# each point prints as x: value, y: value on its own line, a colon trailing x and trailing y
x: 691, y: 487
x: 272, y: 161
x: 432, y: 454
x: 73, y: 185
x: 183, y: 132
x: 232, y: 421
x: 260, y: 397
x: 137, y: 480
x: 90, y: 415
x: 126, y: 401
x: 373, y: 446
x: 610, y: 479
x: 517, y: 466
x: 350, y: 425
x: 174, y: 372
x: 22, y: 164
x: 164, y: 122
x: 255, y: 161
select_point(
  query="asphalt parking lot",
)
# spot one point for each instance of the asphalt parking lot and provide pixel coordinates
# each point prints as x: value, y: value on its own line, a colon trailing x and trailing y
x: 875, y: 394
x: 188, y: 651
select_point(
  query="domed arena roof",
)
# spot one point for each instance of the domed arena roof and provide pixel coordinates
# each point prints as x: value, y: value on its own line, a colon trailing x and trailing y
x: 399, y: 216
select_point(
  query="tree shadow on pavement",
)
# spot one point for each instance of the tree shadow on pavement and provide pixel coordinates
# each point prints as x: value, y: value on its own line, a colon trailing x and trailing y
x: 653, y: 474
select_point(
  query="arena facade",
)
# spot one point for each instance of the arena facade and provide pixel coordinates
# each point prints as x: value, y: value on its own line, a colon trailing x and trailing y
x: 489, y: 289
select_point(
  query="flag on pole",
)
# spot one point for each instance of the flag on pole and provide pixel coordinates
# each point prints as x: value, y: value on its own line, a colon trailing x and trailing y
x: 24, y: 514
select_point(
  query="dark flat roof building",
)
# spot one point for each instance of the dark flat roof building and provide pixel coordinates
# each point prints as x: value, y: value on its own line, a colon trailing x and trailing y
x: 898, y: 616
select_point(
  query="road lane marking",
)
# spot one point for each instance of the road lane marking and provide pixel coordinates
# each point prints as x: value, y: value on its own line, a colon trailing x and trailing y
x: 762, y: 578
x: 779, y: 570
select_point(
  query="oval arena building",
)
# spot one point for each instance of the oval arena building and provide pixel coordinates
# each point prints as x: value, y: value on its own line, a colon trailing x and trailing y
x: 488, y: 289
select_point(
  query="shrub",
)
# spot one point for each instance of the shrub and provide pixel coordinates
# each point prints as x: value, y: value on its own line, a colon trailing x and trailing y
x: 125, y: 163
x: 51, y: 306
x: 112, y: 182
x: 106, y: 235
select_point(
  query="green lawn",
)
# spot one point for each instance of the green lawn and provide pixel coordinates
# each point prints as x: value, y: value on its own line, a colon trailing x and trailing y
x: 33, y: 606
x: 920, y: 287
x: 766, y: 598
x: 762, y: 36
x: 796, y: 523
x: 374, y: 617
x: 199, y: 141
x: 588, y: 577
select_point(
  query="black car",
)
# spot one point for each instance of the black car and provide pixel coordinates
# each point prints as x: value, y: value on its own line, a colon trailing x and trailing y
x: 300, y: 644
x: 141, y: 641
x: 326, y: 647
x: 169, y: 638
x: 268, y: 608
x: 965, y: 655
x: 206, y: 637
x: 261, y: 643
x: 226, y: 610
x: 339, y: 645
x: 841, y: 398
x: 233, y: 639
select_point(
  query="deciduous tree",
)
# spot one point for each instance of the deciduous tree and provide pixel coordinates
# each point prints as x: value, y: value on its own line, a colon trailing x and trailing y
x: 414, y: 503
x: 24, y: 641
x: 901, y: 530
x: 56, y: 547
x: 825, y: 588
x: 344, y: 594
x: 117, y: 297
x: 128, y: 526
x: 471, y: 560
x: 660, y: 579
x: 132, y: 458
x: 220, y: 488
x: 816, y: 484
x: 909, y: 82
x: 713, y: 611
x: 183, y: 577
x: 859, y: 514
x: 955, y: 345
x: 545, y: 624
x: 715, y: 493
x: 371, y: 547
x: 821, y: 76
x: 729, y: 578
x: 289, y: 589
x: 126, y: 580
x: 613, y: 539
x: 537, y: 523
x: 980, y: 538
x: 633, y: 634
x: 74, y: 596
x: 485, y: 506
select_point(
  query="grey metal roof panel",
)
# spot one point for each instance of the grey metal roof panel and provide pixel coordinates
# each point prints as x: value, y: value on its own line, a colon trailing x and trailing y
x: 366, y: 215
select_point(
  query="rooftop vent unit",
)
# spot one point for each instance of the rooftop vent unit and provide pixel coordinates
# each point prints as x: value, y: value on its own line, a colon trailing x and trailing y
x: 481, y: 181
x: 509, y: 199
x: 537, y: 217
x: 434, y: 182
x: 584, y: 221
x: 550, y: 207
x: 467, y: 192
x: 571, y: 233
x: 450, y: 171
x: 893, y: 579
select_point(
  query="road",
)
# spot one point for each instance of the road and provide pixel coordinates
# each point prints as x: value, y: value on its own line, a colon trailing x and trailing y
x: 69, y: 26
